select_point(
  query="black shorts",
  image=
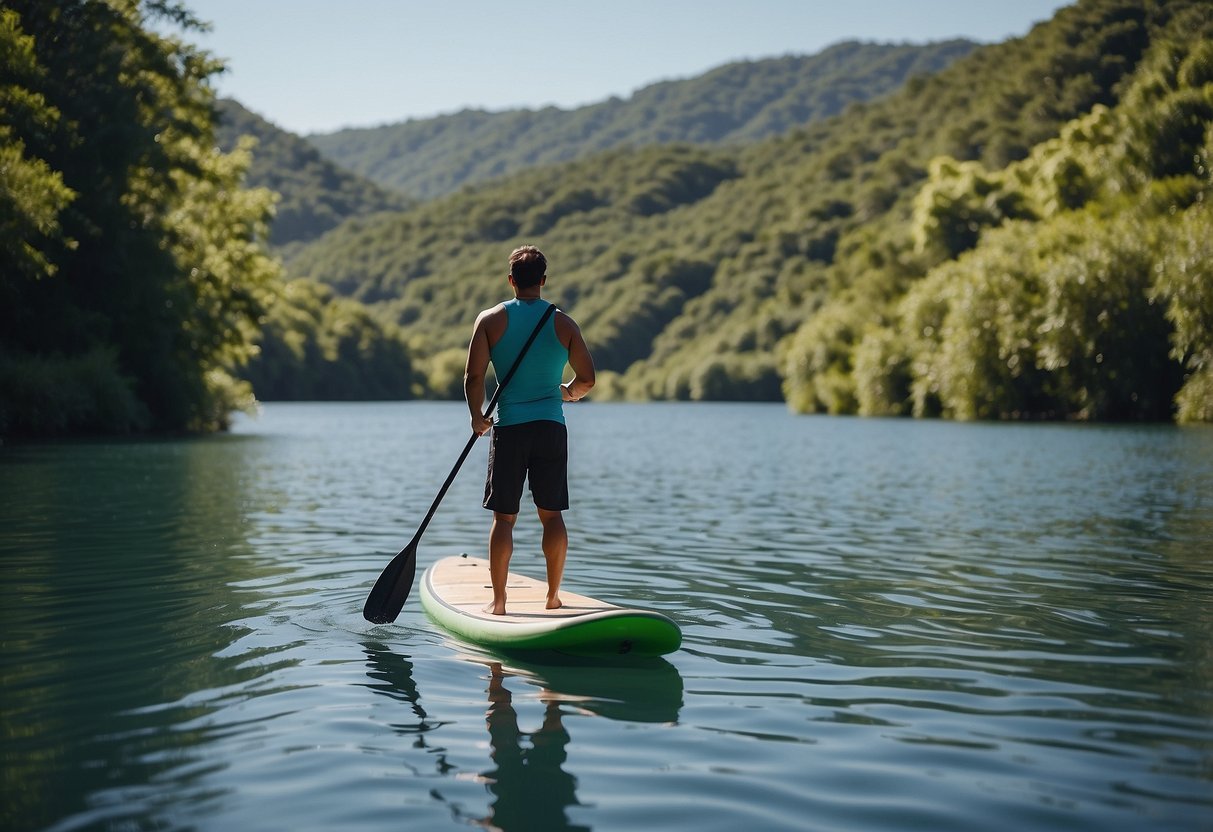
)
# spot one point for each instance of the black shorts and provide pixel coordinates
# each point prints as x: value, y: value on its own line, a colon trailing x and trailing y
x: 534, y: 451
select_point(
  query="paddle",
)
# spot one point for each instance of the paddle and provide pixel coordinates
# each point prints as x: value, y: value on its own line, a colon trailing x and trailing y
x: 389, y: 593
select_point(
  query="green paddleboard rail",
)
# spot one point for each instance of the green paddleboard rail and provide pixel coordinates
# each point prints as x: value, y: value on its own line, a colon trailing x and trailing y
x: 616, y: 631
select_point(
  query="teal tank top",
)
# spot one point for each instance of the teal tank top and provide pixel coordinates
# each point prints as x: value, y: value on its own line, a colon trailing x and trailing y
x: 533, y: 394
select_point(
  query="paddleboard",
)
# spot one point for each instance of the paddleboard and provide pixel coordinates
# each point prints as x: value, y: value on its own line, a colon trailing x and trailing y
x: 455, y: 591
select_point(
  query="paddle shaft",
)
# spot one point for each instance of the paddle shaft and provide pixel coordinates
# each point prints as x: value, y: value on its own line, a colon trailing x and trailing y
x: 389, y: 593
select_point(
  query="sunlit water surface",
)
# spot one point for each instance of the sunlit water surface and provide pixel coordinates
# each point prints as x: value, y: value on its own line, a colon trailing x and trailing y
x: 888, y: 625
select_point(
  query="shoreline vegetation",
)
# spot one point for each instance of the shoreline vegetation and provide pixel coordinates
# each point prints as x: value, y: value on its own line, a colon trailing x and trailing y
x: 1012, y: 231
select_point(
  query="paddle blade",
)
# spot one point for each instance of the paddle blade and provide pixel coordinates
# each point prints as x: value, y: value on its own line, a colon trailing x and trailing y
x: 389, y: 593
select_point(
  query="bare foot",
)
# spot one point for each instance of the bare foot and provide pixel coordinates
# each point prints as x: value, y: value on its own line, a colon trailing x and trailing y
x: 495, y: 609
x: 554, y: 603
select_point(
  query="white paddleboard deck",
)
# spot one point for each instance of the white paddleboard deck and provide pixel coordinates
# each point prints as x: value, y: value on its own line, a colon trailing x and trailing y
x: 456, y: 590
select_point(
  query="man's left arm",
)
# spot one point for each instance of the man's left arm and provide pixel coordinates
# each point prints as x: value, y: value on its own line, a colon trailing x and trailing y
x: 579, y: 359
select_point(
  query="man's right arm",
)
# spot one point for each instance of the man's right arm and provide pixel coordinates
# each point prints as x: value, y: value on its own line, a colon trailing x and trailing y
x: 474, y: 371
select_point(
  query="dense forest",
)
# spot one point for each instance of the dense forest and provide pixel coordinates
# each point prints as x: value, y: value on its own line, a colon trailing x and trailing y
x: 734, y: 104
x: 137, y: 292
x: 1022, y: 234
x: 132, y: 270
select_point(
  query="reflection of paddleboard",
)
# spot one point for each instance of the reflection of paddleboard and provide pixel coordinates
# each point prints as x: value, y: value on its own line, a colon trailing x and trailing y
x: 455, y: 591
x: 625, y: 688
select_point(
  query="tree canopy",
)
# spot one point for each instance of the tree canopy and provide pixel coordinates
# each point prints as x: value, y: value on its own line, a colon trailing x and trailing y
x: 132, y: 271
x: 1069, y: 283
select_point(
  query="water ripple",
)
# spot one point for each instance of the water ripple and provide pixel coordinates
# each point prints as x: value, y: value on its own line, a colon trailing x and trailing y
x: 887, y: 625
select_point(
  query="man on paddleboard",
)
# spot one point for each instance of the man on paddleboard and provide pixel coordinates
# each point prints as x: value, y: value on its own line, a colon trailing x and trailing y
x: 529, y: 439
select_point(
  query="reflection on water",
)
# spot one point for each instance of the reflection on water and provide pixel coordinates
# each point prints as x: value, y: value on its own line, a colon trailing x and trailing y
x: 887, y: 625
x: 635, y: 689
x: 392, y: 676
x: 530, y: 787
x: 528, y: 781
x: 112, y: 555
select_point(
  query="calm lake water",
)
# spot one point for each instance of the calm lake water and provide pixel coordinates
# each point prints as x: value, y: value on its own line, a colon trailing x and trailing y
x: 888, y: 625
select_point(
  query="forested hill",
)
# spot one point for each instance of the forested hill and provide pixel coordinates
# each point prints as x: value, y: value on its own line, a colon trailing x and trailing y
x: 1024, y: 234
x: 314, y: 195
x: 740, y: 102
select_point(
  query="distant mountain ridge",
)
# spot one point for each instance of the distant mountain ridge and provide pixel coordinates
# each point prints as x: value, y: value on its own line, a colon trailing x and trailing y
x: 861, y: 263
x: 737, y: 103
x: 315, y: 195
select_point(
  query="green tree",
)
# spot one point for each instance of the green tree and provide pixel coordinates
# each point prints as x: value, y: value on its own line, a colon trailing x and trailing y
x: 1185, y: 284
x: 148, y: 255
x: 32, y: 194
x: 1066, y: 284
x: 1043, y: 321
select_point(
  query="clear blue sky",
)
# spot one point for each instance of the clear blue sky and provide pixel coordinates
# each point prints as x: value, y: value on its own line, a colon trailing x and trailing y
x: 318, y: 65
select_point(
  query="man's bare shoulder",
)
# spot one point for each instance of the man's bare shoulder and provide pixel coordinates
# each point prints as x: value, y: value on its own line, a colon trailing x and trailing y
x: 565, y: 323
x: 492, y: 322
x: 492, y: 311
x: 491, y: 315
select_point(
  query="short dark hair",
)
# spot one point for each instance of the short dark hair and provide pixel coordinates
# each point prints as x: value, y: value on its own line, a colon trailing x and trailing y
x: 527, y: 266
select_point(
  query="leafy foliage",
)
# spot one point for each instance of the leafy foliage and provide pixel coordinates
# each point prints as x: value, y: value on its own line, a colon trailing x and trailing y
x: 61, y: 395
x: 1083, y: 292
x: 31, y: 192
x: 132, y: 272
x: 734, y: 104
